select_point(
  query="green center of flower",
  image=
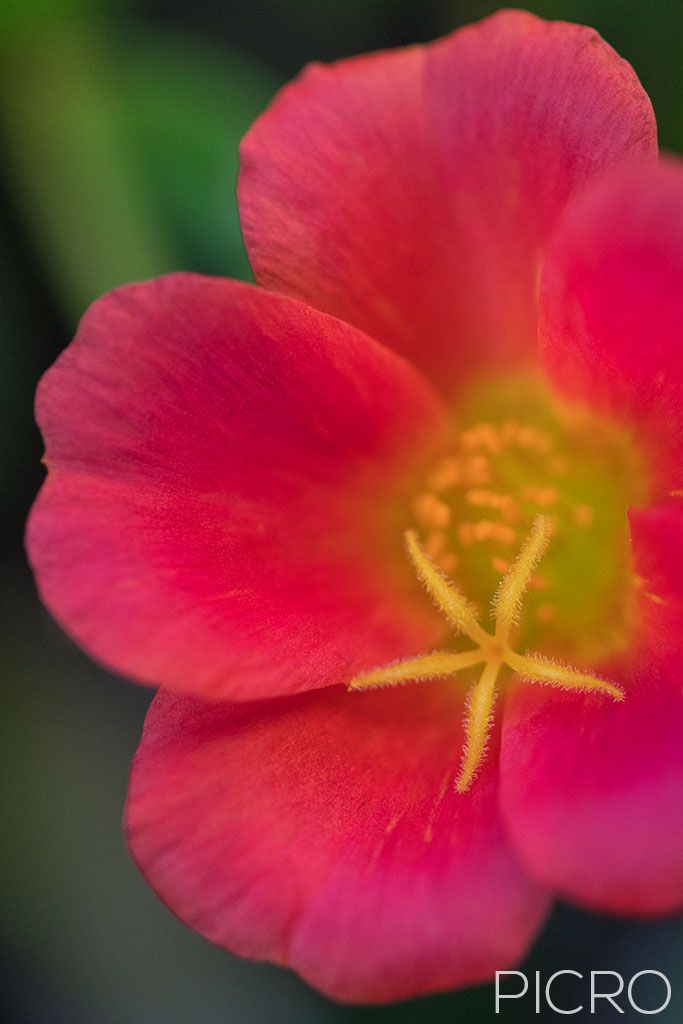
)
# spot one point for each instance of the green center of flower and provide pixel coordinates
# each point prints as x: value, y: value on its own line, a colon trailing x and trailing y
x: 526, y: 455
x: 512, y: 488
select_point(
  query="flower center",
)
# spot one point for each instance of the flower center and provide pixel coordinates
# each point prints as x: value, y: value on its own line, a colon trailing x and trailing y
x: 508, y: 490
x: 493, y: 650
x: 479, y: 501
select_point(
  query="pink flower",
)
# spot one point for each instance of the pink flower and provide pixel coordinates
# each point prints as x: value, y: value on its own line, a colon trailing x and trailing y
x: 462, y: 366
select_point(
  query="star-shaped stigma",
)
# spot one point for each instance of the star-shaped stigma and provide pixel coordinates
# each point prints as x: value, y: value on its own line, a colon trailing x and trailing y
x: 493, y: 650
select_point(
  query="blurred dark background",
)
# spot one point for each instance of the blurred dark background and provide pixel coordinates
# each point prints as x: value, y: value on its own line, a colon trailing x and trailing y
x: 119, y: 125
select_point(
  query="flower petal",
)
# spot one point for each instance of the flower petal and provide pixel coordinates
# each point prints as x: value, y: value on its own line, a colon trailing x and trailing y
x: 591, y: 792
x: 323, y: 832
x: 612, y: 309
x: 412, y: 192
x: 657, y: 537
x: 213, y: 520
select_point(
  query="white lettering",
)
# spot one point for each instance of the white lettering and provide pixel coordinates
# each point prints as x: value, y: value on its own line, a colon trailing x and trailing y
x: 606, y: 995
x: 601, y: 987
x: 633, y: 980
x: 549, y: 1001
x: 513, y: 995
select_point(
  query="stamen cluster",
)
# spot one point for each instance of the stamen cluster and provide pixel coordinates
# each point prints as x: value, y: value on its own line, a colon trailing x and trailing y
x: 493, y: 650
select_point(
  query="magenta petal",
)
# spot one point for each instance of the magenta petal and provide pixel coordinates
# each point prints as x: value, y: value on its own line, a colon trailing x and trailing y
x: 217, y: 457
x: 323, y: 832
x: 591, y: 792
x: 412, y: 192
x: 657, y: 535
x: 612, y: 309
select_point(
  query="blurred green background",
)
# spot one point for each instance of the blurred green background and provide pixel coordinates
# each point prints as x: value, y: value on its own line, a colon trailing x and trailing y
x: 119, y: 125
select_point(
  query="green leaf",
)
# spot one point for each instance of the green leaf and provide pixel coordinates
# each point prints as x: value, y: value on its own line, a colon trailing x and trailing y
x: 25, y: 15
x: 69, y: 166
x: 188, y: 104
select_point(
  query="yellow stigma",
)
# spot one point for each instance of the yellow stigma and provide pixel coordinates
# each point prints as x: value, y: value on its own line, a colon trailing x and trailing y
x: 492, y: 650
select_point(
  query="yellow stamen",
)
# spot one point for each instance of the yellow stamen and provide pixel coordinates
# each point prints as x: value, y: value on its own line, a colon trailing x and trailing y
x: 480, y: 497
x: 484, y: 530
x: 447, y: 474
x: 583, y: 515
x: 478, y: 725
x: 543, y: 496
x: 450, y: 601
x: 492, y: 650
x: 507, y: 602
x: 558, y: 465
x: 536, y: 669
x: 477, y: 471
x: 435, y: 543
x: 546, y: 612
x: 439, y: 665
